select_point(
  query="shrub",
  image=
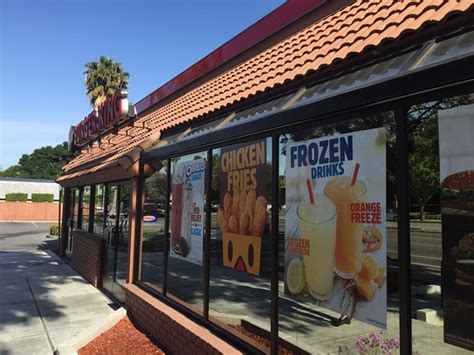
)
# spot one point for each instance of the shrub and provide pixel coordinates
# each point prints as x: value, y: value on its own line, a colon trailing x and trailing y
x: 54, y: 229
x: 16, y: 196
x: 428, y: 215
x: 42, y: 197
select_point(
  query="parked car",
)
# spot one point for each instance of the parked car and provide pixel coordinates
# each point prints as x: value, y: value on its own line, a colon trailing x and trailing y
x: 154, y: 209
x: 391, y: 215
x: 160, y: 208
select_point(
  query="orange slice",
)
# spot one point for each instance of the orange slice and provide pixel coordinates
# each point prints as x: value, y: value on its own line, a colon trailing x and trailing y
x: 368, y: 269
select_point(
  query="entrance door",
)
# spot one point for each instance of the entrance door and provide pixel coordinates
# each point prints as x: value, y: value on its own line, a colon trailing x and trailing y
x: 116, y: 235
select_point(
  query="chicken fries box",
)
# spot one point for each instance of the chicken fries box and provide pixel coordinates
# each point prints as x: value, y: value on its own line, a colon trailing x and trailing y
x: 243, y: 215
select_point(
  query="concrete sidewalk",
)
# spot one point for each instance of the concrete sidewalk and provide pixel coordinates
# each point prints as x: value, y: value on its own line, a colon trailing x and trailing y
x: 44, y: 302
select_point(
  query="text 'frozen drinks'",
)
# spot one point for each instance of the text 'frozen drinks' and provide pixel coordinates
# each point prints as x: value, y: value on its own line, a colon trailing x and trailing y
x: 326, y: 157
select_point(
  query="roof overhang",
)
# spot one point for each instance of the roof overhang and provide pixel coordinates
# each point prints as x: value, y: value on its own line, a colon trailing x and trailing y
x: 125, y: 167
x: 322, y: 53
x: 415, y: 72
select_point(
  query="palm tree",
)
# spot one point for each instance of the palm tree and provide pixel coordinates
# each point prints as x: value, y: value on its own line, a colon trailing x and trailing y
x: 103, y: 78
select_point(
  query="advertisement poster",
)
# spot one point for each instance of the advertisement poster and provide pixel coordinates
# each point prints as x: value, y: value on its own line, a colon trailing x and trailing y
x: 335, y: 235
x: 243, y: 215
x: 187, y: 212
x: 456, y: 151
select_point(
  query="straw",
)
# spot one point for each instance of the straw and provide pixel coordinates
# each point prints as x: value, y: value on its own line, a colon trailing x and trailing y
x: 309, y: 184
x: 354, y: 175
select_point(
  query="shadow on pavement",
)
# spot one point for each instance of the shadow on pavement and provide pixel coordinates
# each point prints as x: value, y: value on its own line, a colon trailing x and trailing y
x: 51, y: 244
x: 17, y: 303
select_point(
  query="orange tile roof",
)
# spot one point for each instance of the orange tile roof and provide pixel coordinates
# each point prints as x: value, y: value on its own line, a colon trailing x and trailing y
x: 362, y: 25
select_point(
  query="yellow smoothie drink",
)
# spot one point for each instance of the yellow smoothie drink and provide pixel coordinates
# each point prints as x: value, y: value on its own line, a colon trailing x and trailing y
x: 349, y: 235
x: 317, y: 223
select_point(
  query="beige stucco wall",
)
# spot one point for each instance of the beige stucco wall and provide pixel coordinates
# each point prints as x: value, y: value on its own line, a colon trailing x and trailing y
x: 29, y: 211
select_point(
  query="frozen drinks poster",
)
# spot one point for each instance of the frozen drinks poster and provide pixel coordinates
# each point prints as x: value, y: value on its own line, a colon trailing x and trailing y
x: 187, y: 212
x: 335, y: 236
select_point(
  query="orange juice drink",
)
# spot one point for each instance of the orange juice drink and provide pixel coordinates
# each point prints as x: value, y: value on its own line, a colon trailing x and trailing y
x: 349, y: 235
x: 317, y: 224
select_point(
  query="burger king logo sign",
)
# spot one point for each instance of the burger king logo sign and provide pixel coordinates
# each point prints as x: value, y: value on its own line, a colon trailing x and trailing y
x: 150, y: 218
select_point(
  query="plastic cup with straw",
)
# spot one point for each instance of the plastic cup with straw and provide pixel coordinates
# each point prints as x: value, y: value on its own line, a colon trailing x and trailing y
x: 354, y: 174
x: 345, y: 191
x: 309, y: 184
x: 317, y: 224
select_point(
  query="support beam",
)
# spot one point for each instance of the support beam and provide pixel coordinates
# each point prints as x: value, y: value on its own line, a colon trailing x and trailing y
x: 207, y: 235
x: 167, y: 226
x: 404, y: 259
x: 274, y: 246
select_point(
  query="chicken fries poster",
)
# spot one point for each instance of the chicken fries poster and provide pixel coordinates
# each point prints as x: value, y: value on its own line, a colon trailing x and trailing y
x: 243, y: 215
x: 335, y: 237
x: 187, y: 212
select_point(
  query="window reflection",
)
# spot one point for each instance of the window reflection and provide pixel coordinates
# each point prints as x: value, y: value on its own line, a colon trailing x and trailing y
x: 99, y: 219
x: 86, y: 194
x: 441, y: 156
x: 240, y: 246
x: 153, y: 235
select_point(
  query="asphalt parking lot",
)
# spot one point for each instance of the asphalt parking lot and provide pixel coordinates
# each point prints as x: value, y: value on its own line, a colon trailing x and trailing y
x: 26, y: 236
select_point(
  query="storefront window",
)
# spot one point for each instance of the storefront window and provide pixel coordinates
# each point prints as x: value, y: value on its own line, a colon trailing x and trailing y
x: 240, y: 260
x: 73, y: 222
x: 441, y: 166
x: 338, y: 232
x: 187, y: 217
x: 86, y: 194
x: 153, y: 237
x: 123, y: 234
x: 75, y: 208
x: 116, y: 236
x: 337, y: 281
x: 99, y: 210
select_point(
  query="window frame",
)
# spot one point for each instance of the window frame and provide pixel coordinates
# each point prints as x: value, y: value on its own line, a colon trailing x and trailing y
x: 399, y: 108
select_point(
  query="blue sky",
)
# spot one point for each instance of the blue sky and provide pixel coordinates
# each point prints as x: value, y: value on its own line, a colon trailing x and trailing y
x: 44, y: 45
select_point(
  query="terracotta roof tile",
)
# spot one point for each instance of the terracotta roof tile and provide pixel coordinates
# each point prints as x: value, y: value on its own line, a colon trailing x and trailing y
x: 349, y: 31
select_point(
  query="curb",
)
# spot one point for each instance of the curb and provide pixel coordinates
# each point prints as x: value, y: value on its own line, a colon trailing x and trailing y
x: 427, y: 291
x: 54, y: 256
x: 72, y: 346
x: 433, y: 316
x: 419, y: 230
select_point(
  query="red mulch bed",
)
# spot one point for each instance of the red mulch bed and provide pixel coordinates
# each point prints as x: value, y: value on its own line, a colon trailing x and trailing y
x: 122, y: 338
x: 261, y: 340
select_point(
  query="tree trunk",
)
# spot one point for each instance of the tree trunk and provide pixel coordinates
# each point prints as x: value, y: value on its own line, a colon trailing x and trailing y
x: 422, y: 211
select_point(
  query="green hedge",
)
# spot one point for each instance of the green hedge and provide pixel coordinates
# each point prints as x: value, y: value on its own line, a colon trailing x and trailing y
x: 16, y: 196
x: 42, y: 197
x: 54, y: 229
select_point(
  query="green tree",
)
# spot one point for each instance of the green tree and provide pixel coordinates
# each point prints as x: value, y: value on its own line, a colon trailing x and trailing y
x: 423, y: 149
x: 215, y: 181
x: 12, y: 171
x: 103, y: 78
x: 155, y: 188
x: 43, y: 163
x: 423, y: 178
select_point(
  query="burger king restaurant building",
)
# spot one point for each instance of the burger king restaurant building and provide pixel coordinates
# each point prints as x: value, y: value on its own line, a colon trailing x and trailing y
x: 271, y: 194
